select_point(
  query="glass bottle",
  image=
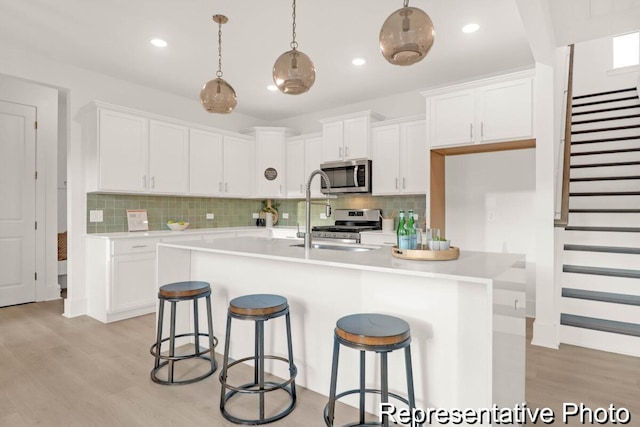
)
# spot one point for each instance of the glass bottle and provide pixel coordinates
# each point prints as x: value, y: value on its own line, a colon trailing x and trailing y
x: 403, y: 236
x: 411, y: 231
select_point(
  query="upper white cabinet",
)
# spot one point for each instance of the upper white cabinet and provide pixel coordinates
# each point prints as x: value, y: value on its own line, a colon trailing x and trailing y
x: 270, y: 171
x: 168, y: 158
x: 220, y: 165
x: 303, y: 157
x: 400, y: 158
x: 492, y: 110
x: 347, y: 137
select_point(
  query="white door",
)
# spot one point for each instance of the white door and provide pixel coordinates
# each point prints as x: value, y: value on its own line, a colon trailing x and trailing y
x: 17, y: 193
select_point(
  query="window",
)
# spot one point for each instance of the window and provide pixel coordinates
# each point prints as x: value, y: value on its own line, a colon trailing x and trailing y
x: 626, y: 50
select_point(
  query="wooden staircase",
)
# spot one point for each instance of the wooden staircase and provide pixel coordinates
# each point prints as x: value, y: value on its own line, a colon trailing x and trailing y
x: 600, y: 304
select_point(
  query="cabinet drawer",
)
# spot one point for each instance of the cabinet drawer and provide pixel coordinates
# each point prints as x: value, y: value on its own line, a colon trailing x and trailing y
x: 133, y: 246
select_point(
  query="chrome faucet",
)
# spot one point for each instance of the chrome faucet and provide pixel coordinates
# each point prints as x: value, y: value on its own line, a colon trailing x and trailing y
x: 307, y: 226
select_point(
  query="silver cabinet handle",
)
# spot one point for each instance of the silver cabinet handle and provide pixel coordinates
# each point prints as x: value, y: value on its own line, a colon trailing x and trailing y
x: 515, y: 305
x: 300, y: 188
x: 481, y: 129
x: 346, y: 151
x: 144, y: 181
x: 139, y: 246
x: 471, y: 130
x: 396, y: 183
x: 280, y: 191
x: 340, y: 152
x: 404, y: 183
x: 153, y: 182
x: 226, y: 187
x: 220, y: 186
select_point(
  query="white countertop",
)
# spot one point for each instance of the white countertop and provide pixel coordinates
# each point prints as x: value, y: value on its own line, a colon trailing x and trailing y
x: 470, y: 266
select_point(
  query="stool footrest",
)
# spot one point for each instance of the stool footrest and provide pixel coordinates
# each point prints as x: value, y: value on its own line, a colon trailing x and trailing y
x: 243, y: 388
x: 154, y: 348
x: 357, y: 391
x: 157, y: 380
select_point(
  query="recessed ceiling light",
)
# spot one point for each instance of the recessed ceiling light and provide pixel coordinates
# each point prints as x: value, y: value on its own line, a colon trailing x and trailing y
x: 272, y: 88
x: 358, y: 61
x: 158, y: 42
x: 470, y: 28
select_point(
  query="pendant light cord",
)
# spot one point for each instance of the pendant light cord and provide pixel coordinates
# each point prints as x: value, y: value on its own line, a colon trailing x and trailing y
x: 294, y: 43
x: 219, y: 72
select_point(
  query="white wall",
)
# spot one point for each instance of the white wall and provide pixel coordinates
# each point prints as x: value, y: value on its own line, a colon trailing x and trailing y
x: 84, y: 87
x: 490, y: 206
x: 593, y: 61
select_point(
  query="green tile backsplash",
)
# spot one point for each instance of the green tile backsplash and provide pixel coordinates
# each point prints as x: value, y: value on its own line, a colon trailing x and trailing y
x: 228, y: 212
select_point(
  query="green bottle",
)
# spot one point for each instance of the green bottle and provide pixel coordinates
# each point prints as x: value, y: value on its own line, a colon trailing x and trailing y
x: 402, y: 232
x: 411, y: 232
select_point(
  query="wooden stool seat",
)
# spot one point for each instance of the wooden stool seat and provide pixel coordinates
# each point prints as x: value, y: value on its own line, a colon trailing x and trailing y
x: 373, y: 329
x: 184, y: 289
x: 257, y: 305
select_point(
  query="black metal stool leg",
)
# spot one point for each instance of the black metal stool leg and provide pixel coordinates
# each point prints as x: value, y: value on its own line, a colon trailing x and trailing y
x: 225, y: 364
x: 362, y: 385
x: 409, y: 370
x: 159, y: 338
x: 292, y: 366
x: 172, y: 340
x: 334, y: 381
x: 384, y: 392
x: 211, y: 340
x: 196, y: 326
x: 260, y: 325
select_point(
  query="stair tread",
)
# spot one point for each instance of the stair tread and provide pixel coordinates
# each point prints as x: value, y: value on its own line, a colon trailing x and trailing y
x: 604, y: 101
x: 604, y: 119
x: 615, y: 151
x: 605, y: 178
x: 610, y: 129
x: 609, y: 297
x: 605, y: 110
x: 605, y: 193
x: 608, y: 164
x: 612, y: 139
x: 601, y: 271
x: 608, y: 249
x: 600, y: 324
x: 606, y: 229
x: 609, y: 92
x: 604, y: 210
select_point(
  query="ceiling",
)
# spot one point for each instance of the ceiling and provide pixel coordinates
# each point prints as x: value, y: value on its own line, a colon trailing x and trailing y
x: 112, y: 37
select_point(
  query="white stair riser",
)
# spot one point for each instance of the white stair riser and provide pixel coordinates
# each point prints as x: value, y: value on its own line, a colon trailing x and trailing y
x: 600, y: 310
x: 606, y: 341
x: 630, y: 170
x: 608, y: 124
x: 620, y: 133
x: 608, y: 145
x: 604, y: 202
x: 632, y: 156
x: 604, y: 219
x: 610, y: 185
x: 591, y: 282
x: 602, y: 259
x: 602, y: 238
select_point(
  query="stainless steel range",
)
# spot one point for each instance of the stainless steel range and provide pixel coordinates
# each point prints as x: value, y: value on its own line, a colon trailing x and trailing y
x: 348, y: 225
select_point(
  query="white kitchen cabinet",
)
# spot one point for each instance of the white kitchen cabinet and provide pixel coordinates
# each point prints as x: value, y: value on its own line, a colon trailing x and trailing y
x: 270, y: 173
x: 220, y: 165
x: 487, y: 111
x: 347, y: 137
x: 303, y: 157
x: 168, y: 158
x: 400, y: 158
x: 121, y: 153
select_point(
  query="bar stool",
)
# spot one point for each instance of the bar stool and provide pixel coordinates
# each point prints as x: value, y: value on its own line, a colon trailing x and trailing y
x: 175, y: 292
x: 258, y: 308
x: 370, y: 332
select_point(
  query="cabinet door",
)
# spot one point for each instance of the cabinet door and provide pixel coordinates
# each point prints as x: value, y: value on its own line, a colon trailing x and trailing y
x: 312, y: 156
x: 452, y: 119
x: 168, y: 158
x: 332, y: 141
x: 122, y: 152
x: 205, y: 163
x: 134, y: 282
x: 238, y: 167
x: 385, y: 160
x: 270, y: 156
x: 414, y: 161
x: 356, y: 138
x: 505, y: 111
x: 295, y: 168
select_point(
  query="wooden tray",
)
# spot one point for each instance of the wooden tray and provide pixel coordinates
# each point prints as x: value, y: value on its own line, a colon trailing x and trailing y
x: 425, y: 254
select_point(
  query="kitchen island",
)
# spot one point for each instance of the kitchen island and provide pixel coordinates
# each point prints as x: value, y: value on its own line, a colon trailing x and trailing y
x: 466, y: 315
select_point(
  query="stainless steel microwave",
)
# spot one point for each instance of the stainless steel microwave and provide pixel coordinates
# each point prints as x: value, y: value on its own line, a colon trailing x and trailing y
x: 351, y: 176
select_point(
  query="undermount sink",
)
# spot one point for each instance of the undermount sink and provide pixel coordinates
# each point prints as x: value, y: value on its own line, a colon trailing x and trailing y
x: 348, y: 248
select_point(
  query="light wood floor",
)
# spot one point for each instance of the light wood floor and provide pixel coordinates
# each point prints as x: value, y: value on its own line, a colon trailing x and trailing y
x: 79, y: 372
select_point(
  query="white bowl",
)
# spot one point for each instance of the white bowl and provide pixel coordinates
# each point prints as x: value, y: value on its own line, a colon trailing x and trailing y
x: 178, y: 227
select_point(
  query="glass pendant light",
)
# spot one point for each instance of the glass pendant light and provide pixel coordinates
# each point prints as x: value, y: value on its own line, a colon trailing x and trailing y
x: 293, y: 72
x: 406, y: 36
x: 217, y: 96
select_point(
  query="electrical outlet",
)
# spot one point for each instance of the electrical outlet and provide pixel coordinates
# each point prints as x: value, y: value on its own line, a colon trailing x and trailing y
x: 416, y: 217
x: 256, y: 215
x: 95, y: 216
x: 210, y: 216
x: 491, y: 215
x: 323, y: 216
x: 285, y: 215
